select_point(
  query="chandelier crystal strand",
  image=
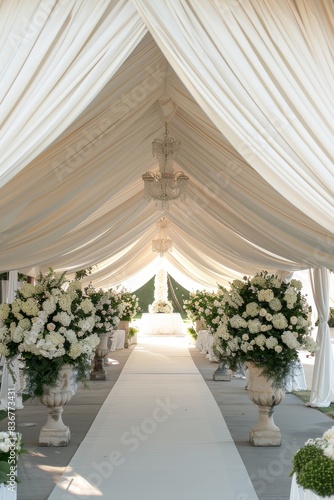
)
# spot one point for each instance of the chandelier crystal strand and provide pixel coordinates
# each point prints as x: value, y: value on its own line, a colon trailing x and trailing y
x: 166, y: 185
x: 162, y: 246
x: 165, y: 150
x: 162, y: 243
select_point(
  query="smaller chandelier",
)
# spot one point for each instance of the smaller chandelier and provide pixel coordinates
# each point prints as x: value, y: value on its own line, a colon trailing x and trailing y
x: 162, y: 243
x: 166, y: 185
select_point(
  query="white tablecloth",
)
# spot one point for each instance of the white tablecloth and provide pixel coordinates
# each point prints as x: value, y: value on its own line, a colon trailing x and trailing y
x: 205, y: 344
x: 117, y: 340
x: 297, y: 382
x: 202, y: 342
x: 161, y: 323
x: 297, y: 493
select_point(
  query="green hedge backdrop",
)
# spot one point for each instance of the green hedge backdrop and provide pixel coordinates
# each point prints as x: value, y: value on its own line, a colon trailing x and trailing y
x: 176, y: 294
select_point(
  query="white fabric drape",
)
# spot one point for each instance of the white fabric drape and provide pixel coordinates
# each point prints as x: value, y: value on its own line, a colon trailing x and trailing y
x: 262, y: 71
x: 79, y: 137
x: 55, y: 58
x: 322, y: 391
x: 7, y: 381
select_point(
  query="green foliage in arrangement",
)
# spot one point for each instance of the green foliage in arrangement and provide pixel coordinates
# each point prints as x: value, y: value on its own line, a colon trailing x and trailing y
x: 192, y: 332
x: 132, y: 331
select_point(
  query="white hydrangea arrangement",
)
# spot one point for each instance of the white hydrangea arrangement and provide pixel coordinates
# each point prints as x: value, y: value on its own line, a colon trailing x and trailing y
x: 49, y: 327
x: 265, y: 320
x: 314, y: 465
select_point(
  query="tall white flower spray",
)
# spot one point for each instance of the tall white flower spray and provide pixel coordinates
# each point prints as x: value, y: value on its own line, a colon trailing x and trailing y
x: 160, y: 285
x: 161, y: 303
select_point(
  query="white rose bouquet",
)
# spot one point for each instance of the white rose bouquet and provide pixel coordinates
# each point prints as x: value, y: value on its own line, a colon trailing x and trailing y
x: 161, y: 306
x: 10, y: 449
x: 130, y: 304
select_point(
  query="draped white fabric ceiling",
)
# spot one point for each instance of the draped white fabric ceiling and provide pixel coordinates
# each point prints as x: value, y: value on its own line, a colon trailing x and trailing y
x: 246, y: 86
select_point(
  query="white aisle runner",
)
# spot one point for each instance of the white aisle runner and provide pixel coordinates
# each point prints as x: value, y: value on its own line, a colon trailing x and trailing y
x: 159, y: 435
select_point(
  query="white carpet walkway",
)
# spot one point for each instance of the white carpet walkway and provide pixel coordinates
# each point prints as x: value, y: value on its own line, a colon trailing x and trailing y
x: 159, y: 435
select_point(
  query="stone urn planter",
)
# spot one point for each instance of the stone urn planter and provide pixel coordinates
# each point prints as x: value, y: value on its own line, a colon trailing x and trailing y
x: 261, y: 391
x: 55, y: 432
x: 101, y: 350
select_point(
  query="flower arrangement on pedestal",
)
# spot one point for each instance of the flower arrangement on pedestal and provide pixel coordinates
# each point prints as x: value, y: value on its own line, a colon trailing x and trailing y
x: 10, y: 449
x: 161, y: 303
x: 196, y: 304
x: 108, y: 308
x: 205, y: 307
x: 130, y: 304
x: 48, y: 328
x: 213, y: 310
x: 314, y: 465
x: 161, y: 306
x: 265, y: 321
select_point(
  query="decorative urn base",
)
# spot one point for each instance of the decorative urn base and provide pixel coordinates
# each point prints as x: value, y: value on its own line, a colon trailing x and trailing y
x: 101, y: 351
x: 55, y: 432
x: 261, y: 391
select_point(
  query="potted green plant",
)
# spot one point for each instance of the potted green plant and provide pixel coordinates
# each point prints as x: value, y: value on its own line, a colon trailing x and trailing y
x: 313, y: 465
x: 10, y: 449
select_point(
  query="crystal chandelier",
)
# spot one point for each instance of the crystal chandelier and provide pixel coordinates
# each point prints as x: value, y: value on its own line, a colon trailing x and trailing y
x: 162, y: 243
x: 166, y: 185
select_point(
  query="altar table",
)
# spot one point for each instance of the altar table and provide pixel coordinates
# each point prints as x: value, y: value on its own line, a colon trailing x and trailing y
x: 161, y: 323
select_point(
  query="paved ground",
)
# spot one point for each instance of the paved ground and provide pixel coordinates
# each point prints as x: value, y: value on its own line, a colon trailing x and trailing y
x: 41, y: 467
x: 268, y: 468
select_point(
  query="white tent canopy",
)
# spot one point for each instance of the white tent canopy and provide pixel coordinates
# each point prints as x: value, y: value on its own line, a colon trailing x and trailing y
x: 246, y: 86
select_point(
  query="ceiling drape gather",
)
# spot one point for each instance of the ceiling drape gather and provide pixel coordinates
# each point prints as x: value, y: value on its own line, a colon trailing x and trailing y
x: 247, y: 89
